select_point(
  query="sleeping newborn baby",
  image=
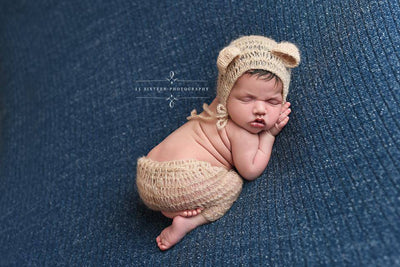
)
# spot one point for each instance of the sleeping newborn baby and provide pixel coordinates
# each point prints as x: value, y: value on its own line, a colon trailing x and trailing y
x: 195, y: 174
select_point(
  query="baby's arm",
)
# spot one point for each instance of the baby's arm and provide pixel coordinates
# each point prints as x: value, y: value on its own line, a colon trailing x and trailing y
x: 251, y: 152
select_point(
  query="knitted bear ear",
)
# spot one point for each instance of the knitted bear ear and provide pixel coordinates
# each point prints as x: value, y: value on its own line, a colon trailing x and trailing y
x: 288, y: 53
x: 226, y: 56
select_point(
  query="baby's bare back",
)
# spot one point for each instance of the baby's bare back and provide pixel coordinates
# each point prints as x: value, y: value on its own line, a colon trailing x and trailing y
x: 196, y: 139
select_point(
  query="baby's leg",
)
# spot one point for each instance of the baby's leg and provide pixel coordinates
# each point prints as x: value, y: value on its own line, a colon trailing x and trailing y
x: 177, y: 230
x: 185, y: 213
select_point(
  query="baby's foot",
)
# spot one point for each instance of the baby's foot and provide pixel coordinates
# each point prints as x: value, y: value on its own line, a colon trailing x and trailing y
x: 171, y: 235
x: 190, y: 213
x: 177, y: 230
x: 185, y: 213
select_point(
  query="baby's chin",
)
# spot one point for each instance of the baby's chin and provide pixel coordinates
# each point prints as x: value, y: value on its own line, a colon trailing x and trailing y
x: 251, y: 129
x: 254, y: 130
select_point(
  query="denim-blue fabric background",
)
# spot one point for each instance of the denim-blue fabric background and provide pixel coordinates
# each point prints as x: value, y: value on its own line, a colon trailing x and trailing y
x: 75, y: 116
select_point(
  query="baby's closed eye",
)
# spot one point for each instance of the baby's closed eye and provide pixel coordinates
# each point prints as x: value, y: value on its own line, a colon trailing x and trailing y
x: 273, y: 101
x: 247, y: 98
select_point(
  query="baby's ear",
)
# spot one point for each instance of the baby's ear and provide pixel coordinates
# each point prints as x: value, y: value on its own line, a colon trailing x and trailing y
x: 226, y: 56
x: 288, y: 53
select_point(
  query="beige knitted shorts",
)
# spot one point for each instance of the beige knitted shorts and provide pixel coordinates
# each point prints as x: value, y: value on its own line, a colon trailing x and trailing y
x: 180, y: 185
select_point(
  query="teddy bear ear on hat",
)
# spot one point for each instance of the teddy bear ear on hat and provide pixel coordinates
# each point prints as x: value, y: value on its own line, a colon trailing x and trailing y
x: 226, y: 56
x: 288, y: 53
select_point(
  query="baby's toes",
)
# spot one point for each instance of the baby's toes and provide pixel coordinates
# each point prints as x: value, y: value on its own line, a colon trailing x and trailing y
x: 158, y: 240
x: 161, y: 243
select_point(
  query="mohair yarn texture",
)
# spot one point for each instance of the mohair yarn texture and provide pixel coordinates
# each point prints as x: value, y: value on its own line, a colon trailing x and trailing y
x: 180, y: 185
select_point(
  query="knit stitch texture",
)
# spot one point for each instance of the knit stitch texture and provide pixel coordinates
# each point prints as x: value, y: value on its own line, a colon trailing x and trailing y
x: 180, y: 185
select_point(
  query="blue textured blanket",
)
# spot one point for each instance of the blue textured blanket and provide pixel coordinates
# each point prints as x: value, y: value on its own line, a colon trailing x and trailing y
x: 87, y: 87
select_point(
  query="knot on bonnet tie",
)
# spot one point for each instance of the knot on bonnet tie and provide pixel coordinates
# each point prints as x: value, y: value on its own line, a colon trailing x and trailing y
x: 221, y: 116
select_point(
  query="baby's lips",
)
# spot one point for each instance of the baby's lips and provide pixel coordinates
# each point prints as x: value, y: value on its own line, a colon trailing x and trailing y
x: 260, y: 120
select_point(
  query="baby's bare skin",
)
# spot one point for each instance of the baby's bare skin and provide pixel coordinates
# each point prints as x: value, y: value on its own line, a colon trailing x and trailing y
x: 185, y: 213
x: 244, y: 143
x: 200, y: 140
x: 196, y: 139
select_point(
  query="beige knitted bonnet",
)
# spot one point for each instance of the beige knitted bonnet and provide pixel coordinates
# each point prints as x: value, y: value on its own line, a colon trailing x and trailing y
x: 247, y: 53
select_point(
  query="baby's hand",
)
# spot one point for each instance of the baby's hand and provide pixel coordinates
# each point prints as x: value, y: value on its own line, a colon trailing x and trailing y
x: 282, y: 120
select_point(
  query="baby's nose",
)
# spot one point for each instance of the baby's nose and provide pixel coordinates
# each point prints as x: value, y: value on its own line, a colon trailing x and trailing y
x: 259, y: 108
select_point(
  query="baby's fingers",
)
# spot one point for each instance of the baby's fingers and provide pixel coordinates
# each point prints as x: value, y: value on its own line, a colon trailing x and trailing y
x: 284, y: 115
x: 285, y: 106
x: 280, y: 124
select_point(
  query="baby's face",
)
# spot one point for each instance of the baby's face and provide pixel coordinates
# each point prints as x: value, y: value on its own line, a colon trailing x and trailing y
x: 255, y: 104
